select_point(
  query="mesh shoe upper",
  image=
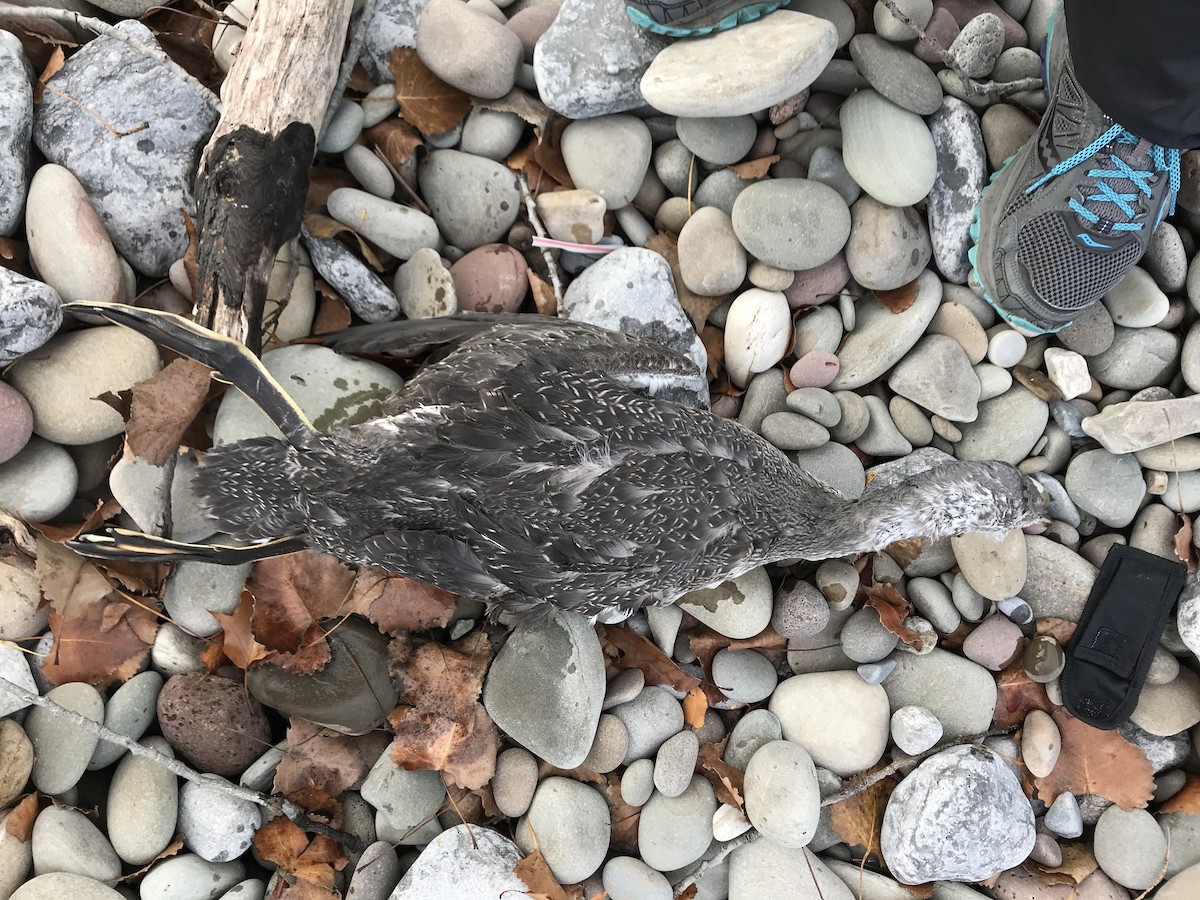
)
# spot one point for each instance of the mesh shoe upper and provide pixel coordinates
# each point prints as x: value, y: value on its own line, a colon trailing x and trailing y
x: 1073, y: 211
x: 684, y: 18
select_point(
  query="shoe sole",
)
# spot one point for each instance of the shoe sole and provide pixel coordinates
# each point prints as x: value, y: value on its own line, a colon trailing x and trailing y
x: 976, y: 230
x: 738, y: 17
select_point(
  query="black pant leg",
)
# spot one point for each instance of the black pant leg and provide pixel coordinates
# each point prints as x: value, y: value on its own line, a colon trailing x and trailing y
x: 1140, y: 62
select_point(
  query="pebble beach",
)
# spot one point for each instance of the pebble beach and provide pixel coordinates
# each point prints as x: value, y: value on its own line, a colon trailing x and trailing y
x: 788, y: 204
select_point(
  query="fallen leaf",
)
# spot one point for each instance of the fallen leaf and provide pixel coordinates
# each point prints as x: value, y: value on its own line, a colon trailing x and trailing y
x: 293, y: 593
x: 188, y: 39
x: 323, y: 180
x: 697, y: 307
x: 14, y: 255
x: 395, y: 139
x: 426, y: 102
x: 324, y: 227
x: 1097, y: 762
x: 1187, y: 800
x: 755, y: 168
x: 107, y: 644
x: 858, y: 820
x: 312, y: 862
x: 163, y: 407
x: 707, y: 643
x: 547, y: 152
x: 104, y: 510
x: 57, y: 58
x: 624, y: 817
x: 543, y: 294
x: 534, y: 871
x: 69, y: 581
x: 523, y: 161
x: 1059, y: 629
x: 900, y: 299
x: 237, y: 634
x: 1185, y: 550
x: 333, y: 314
x: 520, y: 103
x: 318, y: 765
x: 906, y: 551
x: 166, y: 853
x: 1077, y: 864
x: 726, y: 781
x: 396, y: 603
x: 635, y: 652
x: 713, y: 339
x: 892, y: 609
x: 695, y: 705
x: 689, y: 892
x: 1017, y: 695
x: 19, y: 823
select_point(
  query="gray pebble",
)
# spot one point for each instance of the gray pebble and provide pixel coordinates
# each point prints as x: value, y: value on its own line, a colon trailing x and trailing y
x: 1063, y: 817
x: 628, y: 878
x: 744, y: 675
x: 188, y: 877
x: 827, y: 167
x: 369, y: 171
x: 63, y: 750
x: 719, y: 141
x: 675, y: 762
x: 30, y: 313
x: 16, y: 110
x: 375, y: 875
x: 65, y: 840
x: 610, y: 746
x: 491, y: 134
x: 933, y: 601
x: 882, y: 438
x: 637, y: 783
x: 399, y: 230
x: 343, y: 129
x: 129, y: 711
x: 799, y: 611
x: 752, y: 731
x: 915, y: 729
x: 876, y: 673
x: 650, y: 719
x: 515, y: 781
x: 216, y: 827
x: 855, y: 417
x: 623, y: 687
x: 675, y: 831
x: 791, y: 431
x: 816, y: 404
x: 765, y: 394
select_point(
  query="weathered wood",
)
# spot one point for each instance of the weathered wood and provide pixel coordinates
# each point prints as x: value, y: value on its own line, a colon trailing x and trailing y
x: 253, y: 175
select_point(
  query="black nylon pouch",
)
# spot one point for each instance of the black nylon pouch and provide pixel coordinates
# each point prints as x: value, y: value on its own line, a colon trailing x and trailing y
x: 1110, y: 653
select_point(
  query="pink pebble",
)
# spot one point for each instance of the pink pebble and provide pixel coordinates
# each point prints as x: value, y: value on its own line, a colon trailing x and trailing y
x: 16, y: 422
x: 490, y: 279
x: 530, y: 24
x: 994, y: 643
x: 815, y: 369
x: 820, y: 284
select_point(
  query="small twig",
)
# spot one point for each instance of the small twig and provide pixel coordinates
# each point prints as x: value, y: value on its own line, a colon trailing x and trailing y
x: 716, y: 859
x: 276, y: 804
x: 541, y: 232
x: 973, y: 87
x: 89, y: 23
x: 358, y: 34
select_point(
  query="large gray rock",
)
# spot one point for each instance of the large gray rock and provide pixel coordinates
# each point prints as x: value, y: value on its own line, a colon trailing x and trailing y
x: 937, y: 375
x: 767, y: 869
x: 571, y: 824
x: 393, y: 25
x: 474, y: 200
x: 961, y: 177
x: 16, y: 125
x: 591, y: 59
x: 962, y: 694
x: 960, y: 816
x: 30, y: 313
x: 463, y: 861
x: 1007, y: 427
x: 364, y: 292
x: 1058, y: 579
x: 139, y: 183
x: 561, y: 665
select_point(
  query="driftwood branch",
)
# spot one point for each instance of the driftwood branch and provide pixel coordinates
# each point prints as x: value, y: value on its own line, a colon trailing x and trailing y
x: 253, y: 176
x: 540, y: 231
x: 276, y: 804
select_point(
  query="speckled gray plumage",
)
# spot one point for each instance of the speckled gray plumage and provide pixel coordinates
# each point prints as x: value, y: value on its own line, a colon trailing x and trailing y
x: 524, y: 470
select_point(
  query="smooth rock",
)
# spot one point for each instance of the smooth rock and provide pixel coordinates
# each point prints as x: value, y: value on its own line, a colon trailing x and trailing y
x: 142, y: 807
x: 995, y: 568
x: 915, y: 729
x: 720, y: 141
x: 473, y: 200
x: 65, y: 840
x: 216, y: 827
x: 400, y: 230
x: 1107, y: 485
x: 515, y: 781
x: 758, y: 332
x: 739, y: 608
x: 800, y: 611
x: 961, y: 815
x: 463, y: 861
x: 129, y: 711
x: 575, y: 215
x: 405, y: 799
x: 467, y: 49
x: 887, y: 149
x: 740, y: 71
x: 1136, y: 301
x: 675, y: 762
x: 628, y: 878
x: 490, y: 279
x: 783, y: 800
x: 637, y: 784
x: 766, y: 869
x: 1006, y: 429
x: 888, y: 246
x: 560, y: 662
x: 39, y: 482
x: 840, y: 720
x: 649, y: 719
x: 364, y: 292
x: 608, y: 155
x: 887, y: 25
x: 1040, y: 743
x: 1058, y: 579
x: 961, y: 178
x: 1166, y: 709
x: 745, y: 676
x: 791, y: 223
x: 1137, y: 358
x: 64, y: 884
x: 711, y: 261
x: 610, y: 746
x: 80, y: 125
x: 188, y: 877
x: 570, y: 823
x: 962, y: 694
x: 1130, y: 847
x: 896, y: 74
x: 62, y: 749
x: 425, y: 287
x: 936, y: 374
x: 675, y: 831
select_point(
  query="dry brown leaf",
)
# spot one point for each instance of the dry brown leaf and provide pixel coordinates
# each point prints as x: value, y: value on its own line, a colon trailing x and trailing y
x: 57, y: 58
x: 547, y: 152
x: 726, y: 781
x: 1059, y: 629
x: 1185, y: 550
x: 396, y: 603
x: 188, y: 39
x: 1017, y: 695
x: 19, y: 823
x: 543, y: 294
x: 166, y: 853
x: 858, y: 820
x: 520, y: 103
x: 317, y: 766
x: 14, y: 255
x: 900, y: 299
x: 706, y: 643
x: 332, y: 314
x: 713, y: 339
x: 108, y: 643
x: 695, y: 705
x: 892, y: 609
x: 1187, y: 800
x: 163, y: 407
x: 312, y: 863
x: 426, y: 102
x: 323, y: 180
x: 69, y: 581
x: 624, y: 817
x: 395, y: 140
x: 293, y: 593
x: 238, y: 642
x: 755, y: 168
x: 697, y: 307
x: 1077, y: 864
x: 325, y: 227
x: 1097, y: 762
x: 635, y: 652
x: 104, y: 510
x: 534, y: 871
x: 906, y: 551
x: 689, y: 892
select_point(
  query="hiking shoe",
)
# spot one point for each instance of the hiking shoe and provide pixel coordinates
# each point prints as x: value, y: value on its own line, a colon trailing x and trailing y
x: 1071, y: 213
x: 687, y: 18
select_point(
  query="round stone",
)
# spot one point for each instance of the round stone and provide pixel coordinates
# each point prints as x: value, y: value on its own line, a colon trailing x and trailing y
x: 744, y: 675
x: 62, y: 749
x: 675, y: 831
x: 888, y: 246
x: 1040, y: 744
x: 1107, y: 485
x: 65, y: 840
x: 1044, y: 659
x: 896, y: 74
x: 915, y: 729
x: 129, y: 711
x: 839, y: 719
x: 720, y: 141
x: 570, y: 823
x: 800, y: 611
x: 791, y: 223
x: 212, y: 722
x: 608, y: 155
x: 216, y: 827
x: 490, y: 279
x: 143, y: 804
x: 610, y: 746
x: 994, y: 643
x: 400, y: 230
x: 675, y: 762
x: 467, y: 49
x: 887, y: 149
x: 1130, y: 847
x: 712, y: 262
x: 473, y: 200
x: 176, y: 878
x: 783, y: 799
x: 961, y: 693
x: 637, y: 784
x: 628, y: 878
x: 864, y: 639
x: 649, y: 719
x: 738, y: 608
x: 515, y: 781
x: 1136, y: 301
x: 38, y: 483
x: 65, y: 884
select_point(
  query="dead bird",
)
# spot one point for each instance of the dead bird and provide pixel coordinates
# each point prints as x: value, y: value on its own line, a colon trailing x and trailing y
x: 534, y: 467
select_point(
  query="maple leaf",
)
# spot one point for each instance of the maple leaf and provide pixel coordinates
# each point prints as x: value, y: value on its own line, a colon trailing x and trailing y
x: 311, y: 863
x: 396, y: 603
x: 892, y: 609
x: 1186, y: 801
x: 547, y: 152
x: 858, y: 820
x: 1097, y: 762
x: 318, y: 766
x: 755, y: 168
x: 1017, y: 695
x: 293, y: 593
x: 107, y: 643
x: 520, y: 103
x: 900, y: 299
x: 426, y: 102
x: 237, y: 634
x: 724, y: 778
x: 635, y: 652
x: 163, y: 407
x: 534, y: 871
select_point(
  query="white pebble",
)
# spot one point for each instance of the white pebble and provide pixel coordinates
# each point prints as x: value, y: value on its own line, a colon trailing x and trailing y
x: 1006, y: 347
x: 758, y: 332
x: 915, y: 729
x: 1069, y: 372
